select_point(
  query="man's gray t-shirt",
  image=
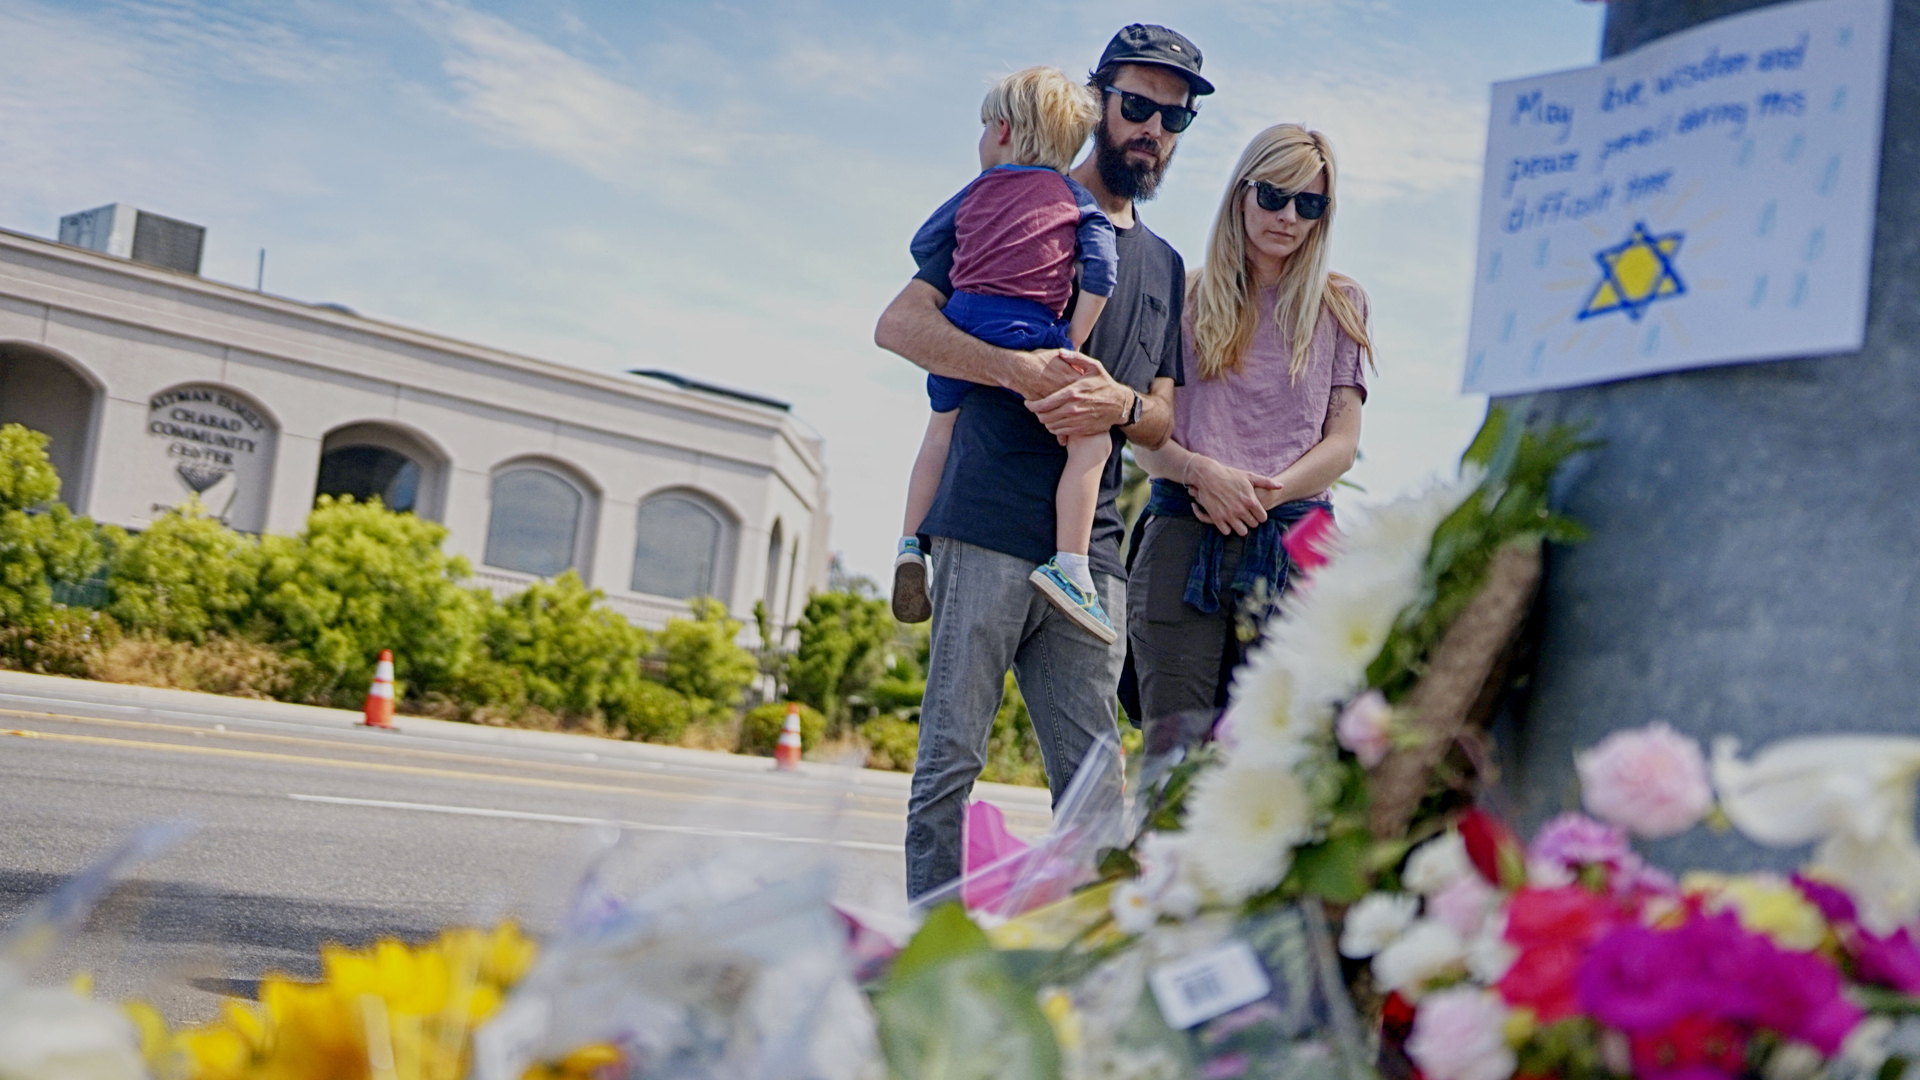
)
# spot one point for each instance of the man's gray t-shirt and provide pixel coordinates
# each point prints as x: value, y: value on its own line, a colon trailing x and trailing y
x: 1003, y: 467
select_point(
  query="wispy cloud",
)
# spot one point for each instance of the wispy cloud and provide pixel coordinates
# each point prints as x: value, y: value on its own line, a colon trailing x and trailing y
x: 525, y: 91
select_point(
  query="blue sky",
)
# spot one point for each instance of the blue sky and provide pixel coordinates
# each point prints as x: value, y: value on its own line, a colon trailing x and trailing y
x: 727, y: 189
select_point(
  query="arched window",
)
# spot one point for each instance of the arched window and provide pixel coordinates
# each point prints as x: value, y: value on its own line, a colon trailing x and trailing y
x: 375, y: 460
x: 771, y: 590
x: 681, y: 548
x: 537, y: 522
x: 47, y: 392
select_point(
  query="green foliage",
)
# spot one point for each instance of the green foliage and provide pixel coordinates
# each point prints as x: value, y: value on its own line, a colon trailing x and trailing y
x: 651, y: 711
x: 41, y: 542
x: 566, y: 653
x: 27, y: 475
x: 701, y: 660
x: 186, y: 576
x: 760, y: 728
x: 892, y: 743
x: 360, y: 579
x: 1509, y: 507
x: 952, y: 1008
x: 842, y: 653
x: 58, y: 641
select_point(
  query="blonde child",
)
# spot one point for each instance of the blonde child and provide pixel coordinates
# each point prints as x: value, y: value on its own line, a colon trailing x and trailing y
x: 1019, y: 232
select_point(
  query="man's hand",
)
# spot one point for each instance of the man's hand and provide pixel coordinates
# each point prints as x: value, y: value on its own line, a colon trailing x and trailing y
x: 1044, y: 372
x: 1227, y: 498
x: 1089, y: 405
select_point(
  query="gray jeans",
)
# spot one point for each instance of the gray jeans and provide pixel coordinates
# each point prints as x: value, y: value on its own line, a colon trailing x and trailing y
x: 987, y: 619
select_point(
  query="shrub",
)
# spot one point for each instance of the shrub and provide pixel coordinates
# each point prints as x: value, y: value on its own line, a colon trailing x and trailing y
x: 652, y: 712
x: 217, y: 665
x: 842, y: 652
x: 185, y: 576
x: 59, y: 641
x: 760, y: 728
x: 360, y: 579
x: 41, y: 542
x: 567, y: 654
x: 892, y: 743
x: 700, y: 659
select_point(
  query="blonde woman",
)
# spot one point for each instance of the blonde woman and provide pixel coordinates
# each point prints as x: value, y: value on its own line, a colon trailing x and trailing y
x: 1276, y: 350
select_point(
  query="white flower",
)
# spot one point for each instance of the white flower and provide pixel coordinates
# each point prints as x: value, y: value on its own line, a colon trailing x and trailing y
x: 1854, y: 794
x: 1167, y: 875
x: 1315, y: 650
x: 1425, y: 951
x: 1133, y: 909
x: 1490, y: 954
x: 1437, y: 864
x: 1792, y: 1060
x: 1244, y: 822
x: 1374, y: 922
x: 55, y: 1034
x: 1460, y: 1034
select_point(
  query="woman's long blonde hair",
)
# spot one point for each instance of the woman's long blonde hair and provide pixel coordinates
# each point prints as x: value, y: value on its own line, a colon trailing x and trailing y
x: 1220, y: 294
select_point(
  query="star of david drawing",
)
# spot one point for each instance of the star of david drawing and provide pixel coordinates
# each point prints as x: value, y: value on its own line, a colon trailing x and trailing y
x: 1634, y: 273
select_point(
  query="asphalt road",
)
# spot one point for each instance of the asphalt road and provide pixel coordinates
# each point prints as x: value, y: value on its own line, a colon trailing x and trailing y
x: 311, y: 830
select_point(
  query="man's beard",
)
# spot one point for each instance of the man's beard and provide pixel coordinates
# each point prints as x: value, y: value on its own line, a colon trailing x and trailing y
x: 1125, y: 178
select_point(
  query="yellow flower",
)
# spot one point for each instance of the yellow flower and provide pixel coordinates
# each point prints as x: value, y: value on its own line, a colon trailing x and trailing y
x: 1765, y: 904
x: 586, y: 1063
x: 1058, y: 1008
x: 390, y: 1012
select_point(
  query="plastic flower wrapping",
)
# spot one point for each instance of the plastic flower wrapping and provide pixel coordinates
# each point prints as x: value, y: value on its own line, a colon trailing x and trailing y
x: 1305, y: 887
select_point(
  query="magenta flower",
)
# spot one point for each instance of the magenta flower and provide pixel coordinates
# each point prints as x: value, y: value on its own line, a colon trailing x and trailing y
x: 1889, y: 961
x: 1644, y: 981
x: 1834, y: 903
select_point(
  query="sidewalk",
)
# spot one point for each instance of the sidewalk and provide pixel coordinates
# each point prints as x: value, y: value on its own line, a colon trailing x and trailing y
x: 52, y: 693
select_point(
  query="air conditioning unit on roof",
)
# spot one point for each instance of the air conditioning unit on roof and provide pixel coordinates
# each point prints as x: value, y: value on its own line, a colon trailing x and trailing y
x: 119, y: 229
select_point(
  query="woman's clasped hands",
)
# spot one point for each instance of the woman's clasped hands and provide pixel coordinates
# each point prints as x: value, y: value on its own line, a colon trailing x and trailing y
x: 1232, y: 500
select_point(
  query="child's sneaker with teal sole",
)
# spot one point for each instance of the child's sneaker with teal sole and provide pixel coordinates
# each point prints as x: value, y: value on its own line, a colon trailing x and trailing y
x: 1072, y: 601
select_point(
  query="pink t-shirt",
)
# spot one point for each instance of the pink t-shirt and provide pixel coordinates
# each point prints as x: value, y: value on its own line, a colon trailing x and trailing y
x: 1254, y: 418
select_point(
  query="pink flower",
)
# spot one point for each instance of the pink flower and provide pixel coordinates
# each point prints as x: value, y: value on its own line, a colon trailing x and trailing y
x: 1651, y: 780
x: 1308, y: 539
x: 1576, y: 840
x: 1365, y: 727
x: 1464, y: 905
x: 1459, y: 1034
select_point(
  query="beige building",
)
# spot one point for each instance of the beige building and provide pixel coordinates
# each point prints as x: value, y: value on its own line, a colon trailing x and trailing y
x: 155, y: 383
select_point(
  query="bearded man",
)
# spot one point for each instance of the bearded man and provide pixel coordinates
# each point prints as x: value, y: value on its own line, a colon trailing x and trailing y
x: 992, y: 521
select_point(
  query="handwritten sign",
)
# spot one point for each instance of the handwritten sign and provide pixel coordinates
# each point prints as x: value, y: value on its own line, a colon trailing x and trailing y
x: 1706, y: 199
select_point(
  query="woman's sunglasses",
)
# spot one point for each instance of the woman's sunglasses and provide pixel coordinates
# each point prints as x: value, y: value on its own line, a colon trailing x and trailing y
x: 1138, y: 107
x: 1308, y: 205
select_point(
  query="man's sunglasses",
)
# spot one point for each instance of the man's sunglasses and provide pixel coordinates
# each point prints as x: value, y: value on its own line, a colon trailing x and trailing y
x: 1137, y: 108
x: 1308, y: 205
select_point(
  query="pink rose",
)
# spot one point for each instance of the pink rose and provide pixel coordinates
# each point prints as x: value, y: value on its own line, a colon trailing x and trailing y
x: 1651, y: 781
x: 1365, y: 727
x: 1464, y: 905
x: 1459, y: 1034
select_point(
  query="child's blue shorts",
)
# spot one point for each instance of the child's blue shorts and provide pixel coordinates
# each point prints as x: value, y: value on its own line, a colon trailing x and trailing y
x: 997, y: 320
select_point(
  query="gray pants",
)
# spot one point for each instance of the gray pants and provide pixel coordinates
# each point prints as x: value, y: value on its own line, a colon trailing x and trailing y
x: 987, y: 619
x: 1179, y: 653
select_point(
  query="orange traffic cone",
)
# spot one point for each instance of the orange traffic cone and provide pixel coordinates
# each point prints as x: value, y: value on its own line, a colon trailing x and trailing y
x: 380, y: 694
x: 786, y: 752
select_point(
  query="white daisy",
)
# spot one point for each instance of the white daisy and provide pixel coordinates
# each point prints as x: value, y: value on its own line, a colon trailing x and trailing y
x: 1374, y: 923
x: 1244, y: 822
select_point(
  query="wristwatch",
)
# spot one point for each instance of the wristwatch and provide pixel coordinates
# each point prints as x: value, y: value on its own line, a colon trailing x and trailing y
x: 1133, y: 414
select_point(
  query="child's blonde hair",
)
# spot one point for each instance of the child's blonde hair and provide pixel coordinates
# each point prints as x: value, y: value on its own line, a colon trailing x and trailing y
x: 1049, y: 115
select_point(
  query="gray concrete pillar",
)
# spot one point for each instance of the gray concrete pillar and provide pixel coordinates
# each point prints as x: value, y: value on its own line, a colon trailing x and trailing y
x: 1755, y: 562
